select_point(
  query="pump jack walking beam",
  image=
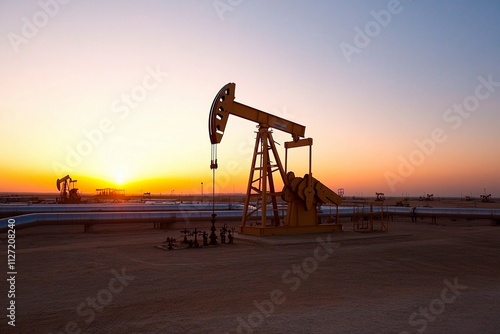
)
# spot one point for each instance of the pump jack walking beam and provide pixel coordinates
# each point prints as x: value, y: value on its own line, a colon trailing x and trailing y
x: 224, y: 105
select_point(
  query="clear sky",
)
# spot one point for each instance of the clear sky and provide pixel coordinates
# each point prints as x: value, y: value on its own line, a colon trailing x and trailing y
x: 399, y: 97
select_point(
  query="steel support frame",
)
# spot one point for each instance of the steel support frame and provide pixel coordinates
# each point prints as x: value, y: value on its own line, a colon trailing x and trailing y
x: 263, y: 185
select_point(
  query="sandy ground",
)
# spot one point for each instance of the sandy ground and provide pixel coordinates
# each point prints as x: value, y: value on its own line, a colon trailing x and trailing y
x: 417, y: 278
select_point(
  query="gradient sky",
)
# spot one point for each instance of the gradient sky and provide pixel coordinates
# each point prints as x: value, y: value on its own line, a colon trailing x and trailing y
x: 369, y: 80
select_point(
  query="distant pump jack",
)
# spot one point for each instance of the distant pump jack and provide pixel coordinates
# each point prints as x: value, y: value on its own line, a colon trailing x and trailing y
x: 68, y: 192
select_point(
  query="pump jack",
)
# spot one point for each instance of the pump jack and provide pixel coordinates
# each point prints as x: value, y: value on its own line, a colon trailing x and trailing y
x: 302, y: 194
x: 68, y: 192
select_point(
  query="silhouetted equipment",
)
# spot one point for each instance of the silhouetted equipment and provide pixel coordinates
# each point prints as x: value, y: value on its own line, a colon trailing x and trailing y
x: 213, y: 236
x: 365, y: 222
x: 186, y: 232
x: 195, y: 234
x: 230, y: 235
x: 170, y: 242
x: 380, y: 197
x: 223, y: 232
x: 111, y: 193
x: 302, y: 194
x: 68, y: 193
x: 205, y: 238
x: 486, y: 198
x: 430, y: 197
x: 190, y: 239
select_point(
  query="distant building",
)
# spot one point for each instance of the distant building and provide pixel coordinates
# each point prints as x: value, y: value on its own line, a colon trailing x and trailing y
x: 110, y: 193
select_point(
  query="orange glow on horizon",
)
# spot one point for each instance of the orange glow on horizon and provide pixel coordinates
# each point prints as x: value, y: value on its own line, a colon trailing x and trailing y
x: 355, y: 180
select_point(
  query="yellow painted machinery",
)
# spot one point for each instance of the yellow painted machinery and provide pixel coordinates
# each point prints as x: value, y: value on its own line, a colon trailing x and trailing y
x: 303, y: 195
x: 68, y: 192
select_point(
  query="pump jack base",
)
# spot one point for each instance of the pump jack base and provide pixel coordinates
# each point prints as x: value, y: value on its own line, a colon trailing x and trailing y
x: 282, y: 230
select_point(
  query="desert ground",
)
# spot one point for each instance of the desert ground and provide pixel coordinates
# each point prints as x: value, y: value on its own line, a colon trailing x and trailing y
x: 417, y: 278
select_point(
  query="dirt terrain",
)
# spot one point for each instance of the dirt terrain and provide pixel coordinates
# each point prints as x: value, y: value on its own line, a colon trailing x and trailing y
x: 417, y: 278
